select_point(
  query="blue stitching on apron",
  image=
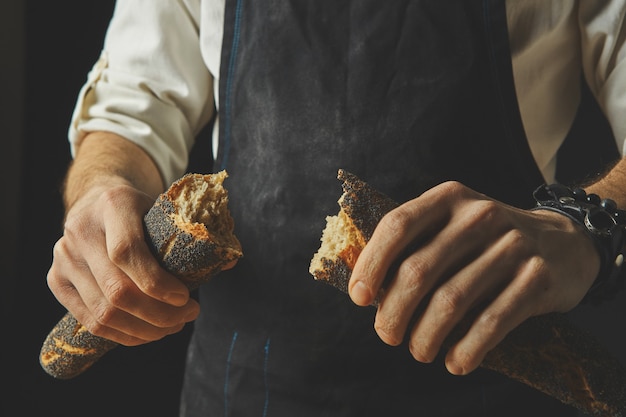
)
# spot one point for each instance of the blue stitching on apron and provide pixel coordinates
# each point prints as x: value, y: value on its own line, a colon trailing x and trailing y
x: 267, y: 390
x: 227, y: 377
x: 229, y: 83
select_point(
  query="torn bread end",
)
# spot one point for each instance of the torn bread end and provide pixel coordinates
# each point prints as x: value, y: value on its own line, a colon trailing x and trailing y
x: 340, y: 240
x: 202, y: 207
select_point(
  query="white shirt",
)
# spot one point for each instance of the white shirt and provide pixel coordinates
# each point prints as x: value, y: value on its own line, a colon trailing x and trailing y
x: 157, y: 78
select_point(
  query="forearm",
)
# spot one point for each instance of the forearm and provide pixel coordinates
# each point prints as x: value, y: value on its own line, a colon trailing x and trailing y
x: 105, y: 159
x: 103, y: 271
x: 612, y: 185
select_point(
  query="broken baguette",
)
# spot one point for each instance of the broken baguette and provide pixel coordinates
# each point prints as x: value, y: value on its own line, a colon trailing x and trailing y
x: 190, y: 231
x: 546, y: 352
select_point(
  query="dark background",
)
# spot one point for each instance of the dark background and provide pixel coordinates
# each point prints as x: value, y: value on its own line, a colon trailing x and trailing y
x: 47, y: 48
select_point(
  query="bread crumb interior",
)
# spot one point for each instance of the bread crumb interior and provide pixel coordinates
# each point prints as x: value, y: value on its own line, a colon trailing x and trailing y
x: 202, y: 206
x: 339, y: 234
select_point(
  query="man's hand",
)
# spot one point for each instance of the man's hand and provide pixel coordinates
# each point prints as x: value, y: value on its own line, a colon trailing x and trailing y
x: 469, y: 255
x: 104, y: 273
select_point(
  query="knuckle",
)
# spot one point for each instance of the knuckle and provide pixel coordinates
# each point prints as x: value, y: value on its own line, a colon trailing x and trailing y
x: 103, y: 315
x: 96, y: 328
x: 54, y: 280
x: 117, y: 292
x: 537, y: 278
x: 517, y: 238
x: 448, y: 300
x: 483, y: 214
x: 448, y: 191
x: 517, y: 242
x: 112, y: 197
x: 486, y: 211
x: 149, y: 287
x: 451, y: 188
x: 60, y: 248
x: 414, y: 274
x: 396, y: 221
x: 490, y: 323
x: 58, y: 251
x: 538, y: 266
x: 121, y: 251
x: 75, y: 227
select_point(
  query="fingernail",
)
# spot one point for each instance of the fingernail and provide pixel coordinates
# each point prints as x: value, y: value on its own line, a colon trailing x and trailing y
x: 454, y: 368
x: 360, y: 294
x: 176, y: 299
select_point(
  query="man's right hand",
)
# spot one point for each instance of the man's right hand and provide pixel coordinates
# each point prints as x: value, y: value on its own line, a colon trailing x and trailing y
x: 103, y: 271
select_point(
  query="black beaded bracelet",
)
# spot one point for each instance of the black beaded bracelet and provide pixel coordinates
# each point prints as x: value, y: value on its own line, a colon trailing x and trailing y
x: 603, y: 222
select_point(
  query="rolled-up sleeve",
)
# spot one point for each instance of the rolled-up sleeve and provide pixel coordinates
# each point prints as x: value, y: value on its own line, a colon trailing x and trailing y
x: 150, y: 84
x: 603, y: 40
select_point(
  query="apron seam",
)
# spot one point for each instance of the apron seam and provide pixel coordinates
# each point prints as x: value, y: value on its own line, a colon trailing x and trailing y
x: 229, y: 84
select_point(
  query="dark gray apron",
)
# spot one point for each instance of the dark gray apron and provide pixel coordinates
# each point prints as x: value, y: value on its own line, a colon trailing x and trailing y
x: 405, y: 94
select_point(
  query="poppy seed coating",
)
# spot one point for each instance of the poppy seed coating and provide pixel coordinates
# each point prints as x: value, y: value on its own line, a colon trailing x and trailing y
x: 546, y: 352
x: 191, y: 234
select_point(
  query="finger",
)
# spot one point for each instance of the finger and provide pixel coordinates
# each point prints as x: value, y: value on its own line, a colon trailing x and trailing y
x: 68, y: 295
x: 453, y: 300
x: 127, y: 249
x: 413, y: 280
x: 459, y: 242
x: 229, y: 265
x: 114, y: 304
x: 397, y: 230
x: 127, y: 307
x: 504, y: 314
x: 122, y: 293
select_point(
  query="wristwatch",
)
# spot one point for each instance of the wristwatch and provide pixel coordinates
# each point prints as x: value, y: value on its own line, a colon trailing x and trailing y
x: 603, y: 222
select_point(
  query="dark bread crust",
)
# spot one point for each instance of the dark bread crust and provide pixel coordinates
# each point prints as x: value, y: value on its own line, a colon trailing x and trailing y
x: 546, y: 352
x: 190, y: 250
x: 552, y: 355
x: 69, y: 349
x: 363, y: 204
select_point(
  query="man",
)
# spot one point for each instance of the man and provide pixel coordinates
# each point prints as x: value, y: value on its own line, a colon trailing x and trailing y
x: 422, y: 100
